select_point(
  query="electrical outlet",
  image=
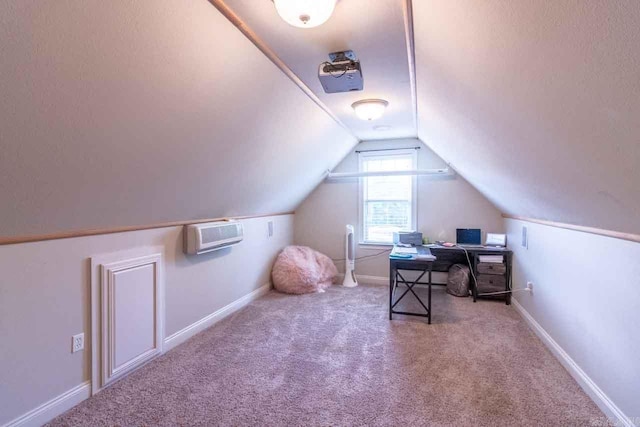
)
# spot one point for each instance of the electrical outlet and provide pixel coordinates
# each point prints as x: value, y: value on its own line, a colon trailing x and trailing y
x: 525, y: 238
x: 530, y: 286
x: 77, y: 342
x: 270, y: 227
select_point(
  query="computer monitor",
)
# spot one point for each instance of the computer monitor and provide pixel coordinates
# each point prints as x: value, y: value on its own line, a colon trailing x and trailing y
x: 468, y: 236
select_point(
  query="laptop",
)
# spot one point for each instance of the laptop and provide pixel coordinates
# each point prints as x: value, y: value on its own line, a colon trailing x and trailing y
x: 469, y: 237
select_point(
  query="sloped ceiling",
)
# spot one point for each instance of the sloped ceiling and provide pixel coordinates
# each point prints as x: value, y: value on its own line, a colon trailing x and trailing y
x: 374, y: 30
x: 125, y: 113
x: 536, y: 103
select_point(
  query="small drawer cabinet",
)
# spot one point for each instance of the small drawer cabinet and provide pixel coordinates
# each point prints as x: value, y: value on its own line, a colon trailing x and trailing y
x: 493, y: 279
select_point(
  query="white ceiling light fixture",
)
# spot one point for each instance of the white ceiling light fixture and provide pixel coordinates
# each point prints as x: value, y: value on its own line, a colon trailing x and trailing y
x: 305, y: 13
x: 370, y: 109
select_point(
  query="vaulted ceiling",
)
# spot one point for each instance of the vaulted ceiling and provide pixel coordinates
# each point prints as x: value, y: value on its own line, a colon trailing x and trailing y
x: 124, y: 113
x: 375, y: 31
x: 536, y: 103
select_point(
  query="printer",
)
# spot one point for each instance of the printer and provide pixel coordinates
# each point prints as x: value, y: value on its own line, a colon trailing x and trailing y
x: 407, y: 238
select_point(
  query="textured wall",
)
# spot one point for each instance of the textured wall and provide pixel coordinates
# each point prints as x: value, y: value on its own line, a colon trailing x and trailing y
x: 124, y: 113
x: 536, y: 103
x: 45, y: 299
x: 443, y: 206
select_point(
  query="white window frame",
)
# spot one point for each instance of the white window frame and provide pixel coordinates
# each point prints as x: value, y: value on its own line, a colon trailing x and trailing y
x: 362, y: 156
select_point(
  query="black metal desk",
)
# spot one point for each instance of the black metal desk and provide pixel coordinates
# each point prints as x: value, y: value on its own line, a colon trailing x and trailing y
x: 422, y: 262
x: 447, y: 256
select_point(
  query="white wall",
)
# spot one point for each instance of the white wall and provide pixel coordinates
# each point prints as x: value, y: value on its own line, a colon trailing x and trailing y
x: 586, y: 296
x: 45, y: 299
x: 444, y: 204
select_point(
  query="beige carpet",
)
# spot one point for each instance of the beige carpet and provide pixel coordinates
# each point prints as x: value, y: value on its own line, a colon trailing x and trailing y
x: 336, y: 359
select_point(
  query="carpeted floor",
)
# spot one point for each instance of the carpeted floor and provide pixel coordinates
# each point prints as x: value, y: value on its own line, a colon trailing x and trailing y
x: 336, y: 359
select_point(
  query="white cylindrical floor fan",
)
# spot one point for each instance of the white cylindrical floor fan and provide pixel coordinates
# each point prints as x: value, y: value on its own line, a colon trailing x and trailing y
x: 350, y: 259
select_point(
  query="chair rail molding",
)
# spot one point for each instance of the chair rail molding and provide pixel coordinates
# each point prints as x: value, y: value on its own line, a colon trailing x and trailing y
x: 591, y: 230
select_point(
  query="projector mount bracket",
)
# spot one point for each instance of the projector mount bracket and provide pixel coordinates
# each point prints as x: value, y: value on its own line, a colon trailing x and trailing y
x: 347, y: 55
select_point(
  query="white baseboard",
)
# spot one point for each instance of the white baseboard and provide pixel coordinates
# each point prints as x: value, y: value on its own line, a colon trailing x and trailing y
x: 366, y: 280
x: 60, y: 404
x: 202, y: 324
x: 51, y: 409
x: 591, y: 388
x: 372, y: 280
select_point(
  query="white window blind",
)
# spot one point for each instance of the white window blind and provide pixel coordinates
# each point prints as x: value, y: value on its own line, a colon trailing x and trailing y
x: 387, y: 202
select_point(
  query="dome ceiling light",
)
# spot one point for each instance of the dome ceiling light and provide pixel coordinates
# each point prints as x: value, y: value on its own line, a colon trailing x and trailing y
x: 305, y: 13
x: 370, y: 109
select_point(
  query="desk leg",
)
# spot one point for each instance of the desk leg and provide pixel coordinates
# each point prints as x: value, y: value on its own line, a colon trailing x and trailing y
x: 509, y: 284
x: 391, y: 284
x: 472, y: 280
x: 429, y: 301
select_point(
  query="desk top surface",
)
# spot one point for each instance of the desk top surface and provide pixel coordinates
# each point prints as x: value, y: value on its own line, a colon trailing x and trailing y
x: 424, y: 253
x: 470, y: 248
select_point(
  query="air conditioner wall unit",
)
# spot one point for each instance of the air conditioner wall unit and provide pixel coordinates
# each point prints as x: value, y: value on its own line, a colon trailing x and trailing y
x: 211, y: 236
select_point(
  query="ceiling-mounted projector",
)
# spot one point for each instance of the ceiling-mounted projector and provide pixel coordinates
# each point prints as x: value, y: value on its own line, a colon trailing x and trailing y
x: 342, y: 74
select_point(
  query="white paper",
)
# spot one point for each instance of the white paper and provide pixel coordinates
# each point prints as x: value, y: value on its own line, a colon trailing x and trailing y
x: 497, y: 259
x: 405, y: 250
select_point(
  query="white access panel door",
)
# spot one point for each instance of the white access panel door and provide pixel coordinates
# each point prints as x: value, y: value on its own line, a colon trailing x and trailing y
x: 131, y: 315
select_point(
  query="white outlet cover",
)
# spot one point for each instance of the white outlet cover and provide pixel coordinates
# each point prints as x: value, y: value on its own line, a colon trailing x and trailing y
x: 270, y: 227
x: 77, y: 342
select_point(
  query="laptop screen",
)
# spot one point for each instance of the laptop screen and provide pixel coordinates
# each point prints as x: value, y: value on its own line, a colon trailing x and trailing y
x: 468, y: 236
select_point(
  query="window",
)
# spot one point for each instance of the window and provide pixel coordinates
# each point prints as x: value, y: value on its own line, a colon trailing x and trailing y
x: 387, y: 203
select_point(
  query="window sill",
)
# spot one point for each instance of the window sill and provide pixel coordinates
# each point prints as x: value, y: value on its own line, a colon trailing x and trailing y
x: 366, y: 245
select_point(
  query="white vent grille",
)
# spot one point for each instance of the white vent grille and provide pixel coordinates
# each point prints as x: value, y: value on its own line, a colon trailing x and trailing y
x: 211, y: 236
x: 215, y: 234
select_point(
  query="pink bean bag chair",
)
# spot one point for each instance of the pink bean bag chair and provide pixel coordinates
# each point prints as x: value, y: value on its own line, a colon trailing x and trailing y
x: 301, y: 270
